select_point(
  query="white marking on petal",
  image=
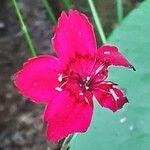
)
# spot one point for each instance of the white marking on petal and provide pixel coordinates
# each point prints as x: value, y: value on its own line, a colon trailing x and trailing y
x: 109, y: 83
x: 106, y: 52
x: 114, y: 94
x: 59, y: 89
x: 123, y: 120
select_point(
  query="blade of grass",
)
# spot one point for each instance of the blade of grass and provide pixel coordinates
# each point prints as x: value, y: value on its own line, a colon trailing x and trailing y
x: 49, y: 11
x: 97, y: 21
x: 119, y: 11
x: 67, y: 4
x: 24, y: 28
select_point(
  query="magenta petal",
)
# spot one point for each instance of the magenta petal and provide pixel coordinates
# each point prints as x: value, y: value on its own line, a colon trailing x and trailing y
x: 66, y: 115
x: 121, y: 97
x: 74, y: 39
x: 110, y: 96
x: 38, y: 78
x: 111, y: 55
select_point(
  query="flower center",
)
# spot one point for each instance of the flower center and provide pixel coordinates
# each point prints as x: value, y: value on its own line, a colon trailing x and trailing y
x: 75, y: 78
x: 75, y: 84
x: 86, y: 83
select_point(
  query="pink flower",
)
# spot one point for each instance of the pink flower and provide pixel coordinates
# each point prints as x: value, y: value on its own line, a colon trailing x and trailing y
x: 67, y: 83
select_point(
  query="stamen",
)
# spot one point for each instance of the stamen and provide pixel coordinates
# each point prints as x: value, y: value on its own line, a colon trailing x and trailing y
x: 114, y: 94
x: 59, y: 89
x: 63, y: 84
x: 60, y: 77
x: 86, y: 87
x: 86, y: 100
x: 99, y: 69
x: 81, y: 93
x: 88, y: 78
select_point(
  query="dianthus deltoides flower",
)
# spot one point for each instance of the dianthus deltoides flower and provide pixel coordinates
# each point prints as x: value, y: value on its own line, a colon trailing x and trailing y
x: 68, y: 82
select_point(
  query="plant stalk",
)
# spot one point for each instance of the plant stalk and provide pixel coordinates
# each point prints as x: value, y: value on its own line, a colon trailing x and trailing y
x: 24, y: 28
x: 97, y: 21
x: 49, y: 11
x: 67, y: 141
x: 119, y: 11
x: 67, y: 4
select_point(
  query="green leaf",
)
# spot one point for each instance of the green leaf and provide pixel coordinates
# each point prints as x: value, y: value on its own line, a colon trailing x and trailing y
x: 129, y: 128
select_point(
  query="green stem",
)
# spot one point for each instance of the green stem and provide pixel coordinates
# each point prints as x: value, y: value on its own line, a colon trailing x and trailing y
x: 24, y: 28
x: 97, y: 21
x: 67, y: 141
x: 119, y: 11
x: 49, y: 11
x: 67, y: 4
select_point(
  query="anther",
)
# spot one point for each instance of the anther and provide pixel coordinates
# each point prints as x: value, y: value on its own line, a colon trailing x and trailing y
x: 81, y: 93
x: 59, y: 89
x: 86, y: 87
x: 87, y: 78
x: 60, y: 77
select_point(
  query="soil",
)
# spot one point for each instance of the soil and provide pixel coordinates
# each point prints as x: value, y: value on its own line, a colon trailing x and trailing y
x: 21, y: 126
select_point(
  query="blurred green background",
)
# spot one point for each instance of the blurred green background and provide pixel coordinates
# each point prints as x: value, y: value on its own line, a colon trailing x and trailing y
x: 21, y: 126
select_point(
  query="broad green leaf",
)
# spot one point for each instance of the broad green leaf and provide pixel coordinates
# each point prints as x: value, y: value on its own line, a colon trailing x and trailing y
x: 129, y: 128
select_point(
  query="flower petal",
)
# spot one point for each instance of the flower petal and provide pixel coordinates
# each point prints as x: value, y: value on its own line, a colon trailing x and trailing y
x: 111, y: 55
x: 74, y: 41
x: 38, y: 78
x: 72, y: 34
x: 66, y: 115
x: 109, y: 96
